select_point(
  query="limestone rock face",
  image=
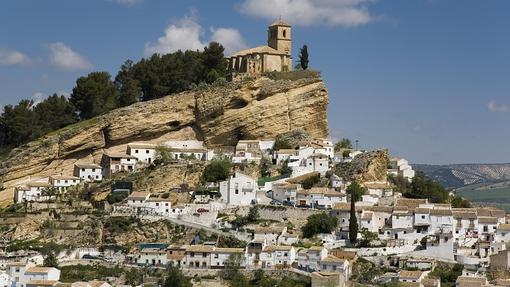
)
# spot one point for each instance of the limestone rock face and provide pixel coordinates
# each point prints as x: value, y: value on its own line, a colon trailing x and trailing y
x: 249, y: 109
x: 366, y: 167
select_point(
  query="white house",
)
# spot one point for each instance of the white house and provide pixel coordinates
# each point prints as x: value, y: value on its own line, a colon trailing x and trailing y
x: 115, y: 162
x: 400, y: 166
x: 320, y: 197
x: 334, y: 264
x: 88, y: 172
x: 137, y: 199
x: 185, y: 144
x: 289, y: 155
x: 188, y: 148
x: 5, y: 280
x: 153, y: 256
x: 219, y: 256
x: 62, y: 182
x: 269, y: 234
x: 401, y: 218
x: 32, y: 191
x: 239, y: 189
x: 28, y: 275
x: 324, y: 146
x: 198, y: 256
x: 143, y: 152
x: 278, y: 256
x: 411, y: 276
x: 502, y: 233
x: 285, y: 192
x: 317, y: 162
x: 144, y: 202
x: 309, y: 259
x: 247, y: 150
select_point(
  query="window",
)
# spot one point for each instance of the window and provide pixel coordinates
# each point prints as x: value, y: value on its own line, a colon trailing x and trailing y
x: 423, y: 217
x: 157, y: 204
x: 147, y: 151
x: 136, y: 151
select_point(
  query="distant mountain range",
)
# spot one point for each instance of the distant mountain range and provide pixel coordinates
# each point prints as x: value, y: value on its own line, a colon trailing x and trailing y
x: 459, y: 175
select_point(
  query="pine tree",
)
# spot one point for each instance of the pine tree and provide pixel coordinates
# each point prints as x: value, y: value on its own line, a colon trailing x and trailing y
x: 303, y: 57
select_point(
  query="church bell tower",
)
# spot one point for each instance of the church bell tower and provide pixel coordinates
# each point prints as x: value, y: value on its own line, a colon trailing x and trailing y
x: 279, y: 37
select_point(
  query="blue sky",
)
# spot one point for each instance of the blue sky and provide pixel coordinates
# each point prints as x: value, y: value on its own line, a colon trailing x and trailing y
x: 428, y: 79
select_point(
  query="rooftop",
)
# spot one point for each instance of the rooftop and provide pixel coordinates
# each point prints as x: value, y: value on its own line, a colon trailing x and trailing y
x: 87, y: 165
x: 258, y: 50
x: 410, y: 274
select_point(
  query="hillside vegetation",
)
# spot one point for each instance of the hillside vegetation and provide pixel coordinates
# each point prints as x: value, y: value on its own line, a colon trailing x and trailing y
x: 96, y: 93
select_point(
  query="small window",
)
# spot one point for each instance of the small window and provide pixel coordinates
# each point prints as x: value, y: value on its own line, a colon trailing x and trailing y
x: 284, y: 33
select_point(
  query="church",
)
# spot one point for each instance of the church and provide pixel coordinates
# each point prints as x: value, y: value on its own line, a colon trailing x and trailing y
x: 276, y: 56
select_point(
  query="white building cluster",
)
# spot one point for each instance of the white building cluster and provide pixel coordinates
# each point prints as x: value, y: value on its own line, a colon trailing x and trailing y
x: 256, y: 255
x: 466, y: 235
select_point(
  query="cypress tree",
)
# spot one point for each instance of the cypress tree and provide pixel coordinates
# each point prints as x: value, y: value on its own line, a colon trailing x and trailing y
x: 303, y: 57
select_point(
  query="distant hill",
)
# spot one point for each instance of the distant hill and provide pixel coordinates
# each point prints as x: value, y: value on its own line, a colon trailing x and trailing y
x: 459, y: 175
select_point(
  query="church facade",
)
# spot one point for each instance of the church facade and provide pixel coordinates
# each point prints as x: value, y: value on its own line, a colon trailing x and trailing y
x: 276, y: 56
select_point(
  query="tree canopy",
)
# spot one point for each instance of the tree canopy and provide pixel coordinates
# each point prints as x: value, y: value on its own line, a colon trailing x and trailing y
x: 93, y: 95
x: 421, y: 187
x: 319, y: 223
x: 344, y: 143
x: 303, y: 57
x: 216, y: 170
x: 27, y: 120
x: 175, y: 278
x: 96, y: 93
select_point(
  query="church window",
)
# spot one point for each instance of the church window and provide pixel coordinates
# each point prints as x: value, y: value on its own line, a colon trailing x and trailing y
x: 284, y: 33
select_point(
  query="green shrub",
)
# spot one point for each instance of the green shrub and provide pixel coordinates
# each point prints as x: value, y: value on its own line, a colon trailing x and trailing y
x: 216, y: 170
x: 319, y: 223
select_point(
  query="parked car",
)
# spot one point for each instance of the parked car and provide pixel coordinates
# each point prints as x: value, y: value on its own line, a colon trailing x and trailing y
x: 89, y: 257
x: 288, y: 203
x: 275, y: 202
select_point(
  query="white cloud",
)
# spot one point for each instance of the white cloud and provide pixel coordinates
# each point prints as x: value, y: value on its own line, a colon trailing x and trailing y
x: 10, y: 57
x: 347, y: 13
x: 186, y: 34
x: 63, y: 93
x: 231, y: 39
x: 63, y: 57
x: 38, y: 98
x: 497, y: 108
x: 127, y: 2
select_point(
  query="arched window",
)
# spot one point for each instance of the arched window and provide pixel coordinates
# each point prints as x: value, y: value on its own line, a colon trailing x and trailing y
x: 284, y: 33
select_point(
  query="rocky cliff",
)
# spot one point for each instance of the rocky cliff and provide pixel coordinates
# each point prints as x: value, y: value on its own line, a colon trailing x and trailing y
x: 366, y: 167
x: 248, y: 109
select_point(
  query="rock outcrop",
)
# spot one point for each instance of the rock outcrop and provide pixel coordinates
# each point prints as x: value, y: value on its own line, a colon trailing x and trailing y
x: 366, y: 167
x: 248, y: 109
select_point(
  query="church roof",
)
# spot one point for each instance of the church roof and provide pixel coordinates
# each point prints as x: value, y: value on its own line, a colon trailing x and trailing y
x: 259, y: 50
x: 279, y: 22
